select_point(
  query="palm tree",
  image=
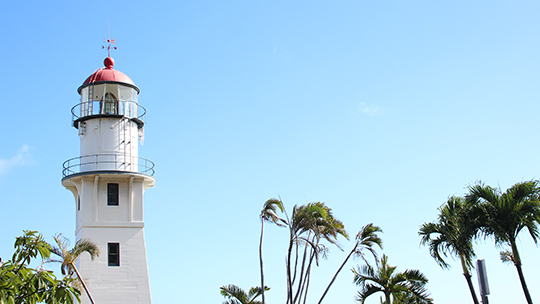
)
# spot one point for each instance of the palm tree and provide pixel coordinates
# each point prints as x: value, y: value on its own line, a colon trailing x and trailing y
x: 393, y: 285
x: 506, y: 214
x: 366, y: 239
x: 236, y: 295
x: 453, y: 233
x: 69, y: 256
x: 309, y: 225
x: 269, y: 214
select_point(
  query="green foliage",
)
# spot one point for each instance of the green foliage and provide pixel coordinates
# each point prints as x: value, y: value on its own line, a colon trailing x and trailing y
x: 453, y: 232
x: 457, y: 225
x: 19, y: 283
x: 69, y: 256
x: 489, y: 212
x: 309, y: 225
x: 236, y: 295
x: 397, y: 285
x: 407, y: 298
x: 311, y: 228
x: 506, y: 214
x: 366, y: 239
x: 270, y: 210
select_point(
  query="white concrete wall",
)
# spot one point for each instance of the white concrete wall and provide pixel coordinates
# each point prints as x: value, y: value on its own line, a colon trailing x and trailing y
x: 110, y: 136
x: 124, y: 284
x: 103, y: 224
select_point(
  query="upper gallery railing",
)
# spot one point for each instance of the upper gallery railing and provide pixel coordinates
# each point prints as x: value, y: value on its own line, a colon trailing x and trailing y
x: 128, y: 109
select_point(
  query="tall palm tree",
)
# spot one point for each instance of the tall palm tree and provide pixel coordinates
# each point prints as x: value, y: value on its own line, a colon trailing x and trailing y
x: 269, y: 214
x: 69, y: 256
x: 236, y: 295
x: 366, y: 239
x: 506, y: 214
x: 392, y: 284
x: 453, y: 233
x: 309, y: 224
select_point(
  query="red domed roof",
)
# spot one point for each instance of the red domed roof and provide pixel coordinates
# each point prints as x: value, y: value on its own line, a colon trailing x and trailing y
x: 108, y: 74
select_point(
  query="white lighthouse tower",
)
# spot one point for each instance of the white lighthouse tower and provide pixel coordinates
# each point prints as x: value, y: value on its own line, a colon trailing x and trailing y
x: 108, y: 180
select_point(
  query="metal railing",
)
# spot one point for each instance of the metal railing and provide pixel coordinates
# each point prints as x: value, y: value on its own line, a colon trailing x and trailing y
x: 107, y: 162
x: 130, y: 109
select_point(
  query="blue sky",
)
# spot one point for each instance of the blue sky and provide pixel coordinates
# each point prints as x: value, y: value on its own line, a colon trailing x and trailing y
x: 380, y: 109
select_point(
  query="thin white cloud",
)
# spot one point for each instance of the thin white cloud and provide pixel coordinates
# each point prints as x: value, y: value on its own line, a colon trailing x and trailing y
x: 281, y: 52
x: 20, y: 159
x: 368, y: 109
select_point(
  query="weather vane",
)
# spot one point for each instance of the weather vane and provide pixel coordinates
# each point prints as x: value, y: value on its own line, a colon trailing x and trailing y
x: 109, y: 41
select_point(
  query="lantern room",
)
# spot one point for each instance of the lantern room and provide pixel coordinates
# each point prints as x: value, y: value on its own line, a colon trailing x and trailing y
x: 108, y: 92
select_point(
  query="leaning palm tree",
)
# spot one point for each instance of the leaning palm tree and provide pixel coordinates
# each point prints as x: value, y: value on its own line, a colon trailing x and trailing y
x: 392, y: 284
x: 69, y: 256
x: 366, y: 239
x: 236, y: 295
x: 269, y: 214
x: 506, y: 214
x: 453, y: 233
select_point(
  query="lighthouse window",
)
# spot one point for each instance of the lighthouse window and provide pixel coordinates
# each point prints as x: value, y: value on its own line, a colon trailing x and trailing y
x: 114, y: 254
x: 110, y: 104
x: 112, y: 194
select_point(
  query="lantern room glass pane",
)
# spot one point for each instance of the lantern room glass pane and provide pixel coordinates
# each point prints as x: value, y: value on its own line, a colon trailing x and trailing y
x: 86, y: 105
x: 109, y: 98
x: 97, y: 91
x: 125, y: 93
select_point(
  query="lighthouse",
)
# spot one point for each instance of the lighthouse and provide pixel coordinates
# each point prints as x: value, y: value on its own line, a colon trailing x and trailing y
x: 108, y: 180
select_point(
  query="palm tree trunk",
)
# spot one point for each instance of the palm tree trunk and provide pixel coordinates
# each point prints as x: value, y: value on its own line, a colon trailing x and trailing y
x: 523, y: 284
x: 296, y: 256
x: 387, y: 294
x: 83, y: 284
x: 337, y: 272
x: 517, y: 263
x: 261, y: 260
x: 289, y: 279
x: 307, y: 286
x: 468, y: 276
x: 301, y: 277
x: 308, y: 277
x: 471, y: 287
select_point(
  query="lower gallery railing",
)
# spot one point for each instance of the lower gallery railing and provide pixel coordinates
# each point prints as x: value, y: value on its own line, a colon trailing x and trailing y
x: 107, y: 162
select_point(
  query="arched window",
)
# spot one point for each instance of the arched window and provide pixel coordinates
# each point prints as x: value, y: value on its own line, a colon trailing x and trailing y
x: 109, y: 104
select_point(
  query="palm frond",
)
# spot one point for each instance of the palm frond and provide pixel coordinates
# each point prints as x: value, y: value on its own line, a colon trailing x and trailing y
x: 270, y: 210
x: 236, y: 295
x: 458, y: 224
x: 363, y: 294
x: 233, y: 292
x: 85, y: 245
x: 385, y: 279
